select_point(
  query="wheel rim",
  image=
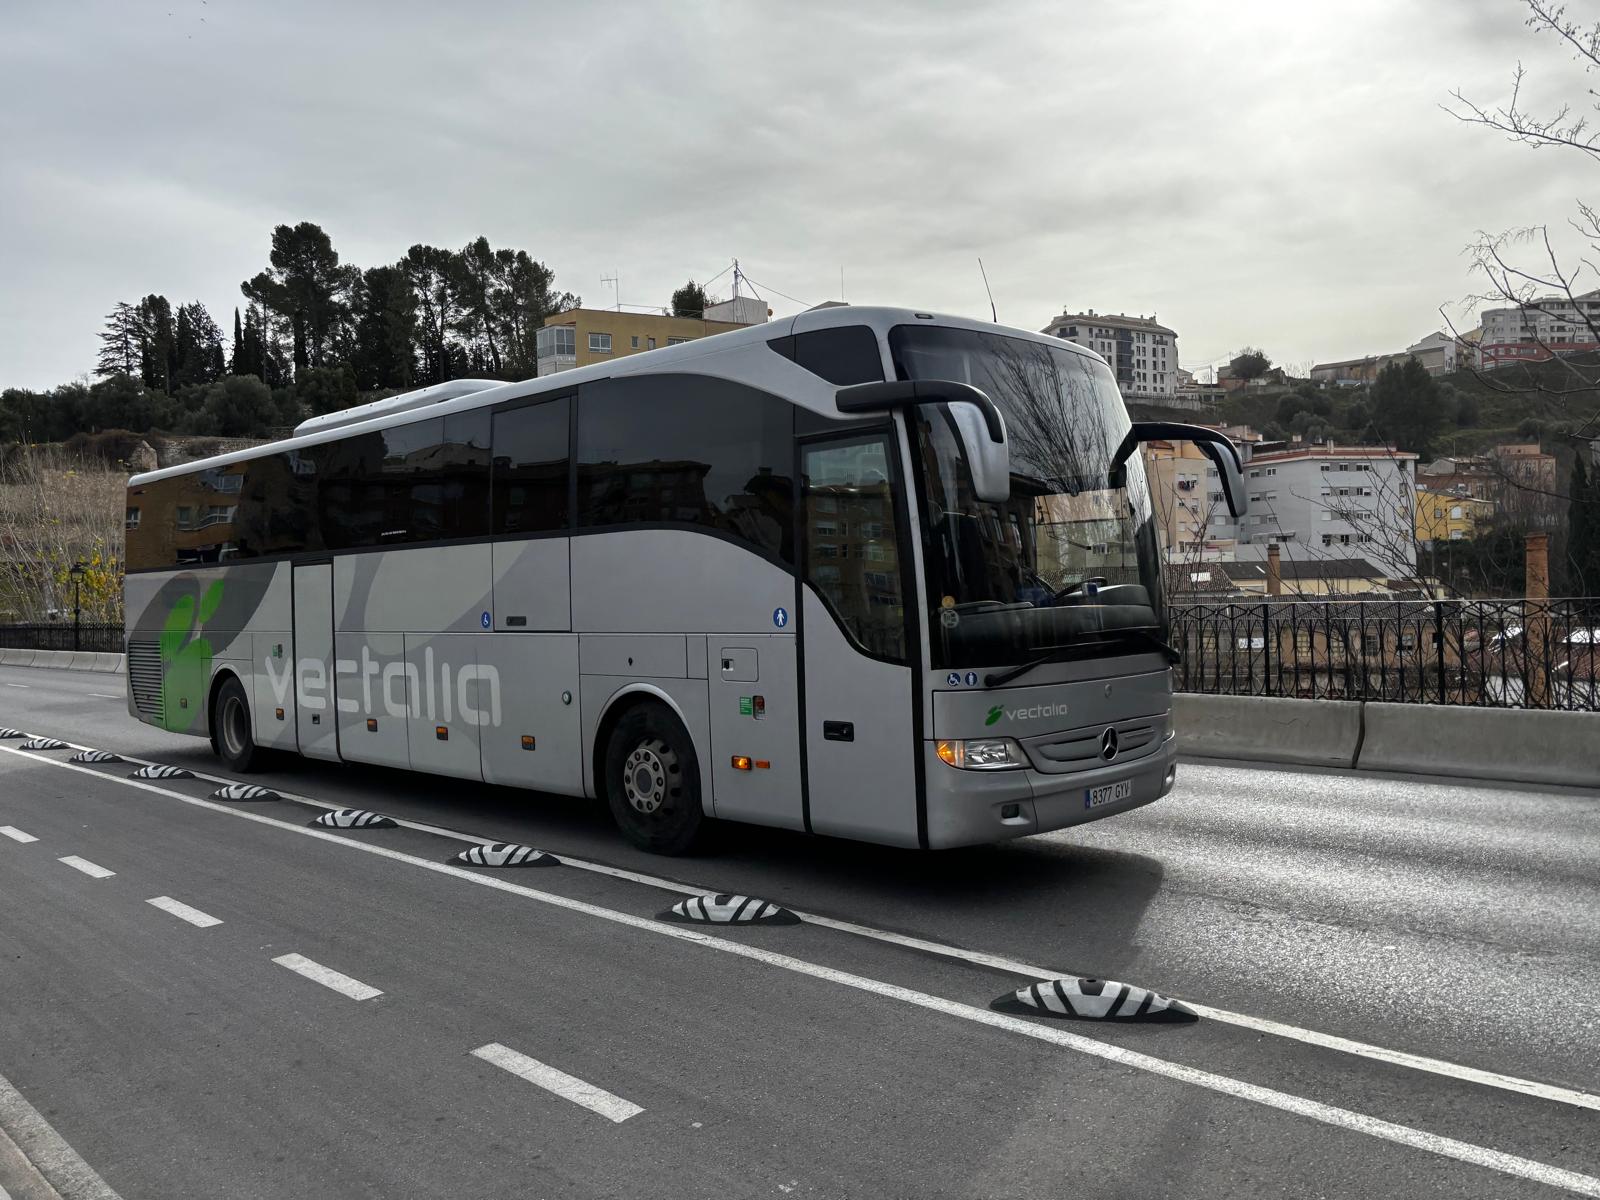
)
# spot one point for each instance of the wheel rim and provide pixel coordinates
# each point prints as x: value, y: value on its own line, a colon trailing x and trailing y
x: 650, y: 776
x: 234, y: 731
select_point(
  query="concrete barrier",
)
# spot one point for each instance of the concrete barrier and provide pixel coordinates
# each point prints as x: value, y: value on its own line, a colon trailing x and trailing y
x: 1319, y: 733
x: 66, y: 660
x: 1510, y: 744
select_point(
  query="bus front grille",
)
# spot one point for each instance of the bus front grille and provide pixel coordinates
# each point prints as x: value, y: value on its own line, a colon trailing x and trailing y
x: 144, y: 677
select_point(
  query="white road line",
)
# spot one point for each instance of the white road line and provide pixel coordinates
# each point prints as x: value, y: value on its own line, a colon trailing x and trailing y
x: 326, y: 976
x: 47, y: 1150
x: 16, y: 835
x: 184, y: 913
x: 87, y: 867
x: 568, y: 1087
x: 1327, y: 1114
x: 1310, y: 1037
x: 19, y: 685
x: 107, y: 696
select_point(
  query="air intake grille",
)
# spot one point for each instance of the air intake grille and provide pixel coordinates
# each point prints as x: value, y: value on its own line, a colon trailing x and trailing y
x: 144, y: 677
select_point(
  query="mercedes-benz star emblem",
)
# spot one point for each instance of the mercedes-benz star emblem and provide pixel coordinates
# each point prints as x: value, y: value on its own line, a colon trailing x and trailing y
x: 1108, y: 744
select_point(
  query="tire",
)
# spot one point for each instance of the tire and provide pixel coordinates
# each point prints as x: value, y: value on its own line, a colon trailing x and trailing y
x: 232, y: 735
x: 652, y: 781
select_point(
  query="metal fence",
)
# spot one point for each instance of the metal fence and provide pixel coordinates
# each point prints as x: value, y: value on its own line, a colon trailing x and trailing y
x: 1488, y: 653
x: 62, y: 635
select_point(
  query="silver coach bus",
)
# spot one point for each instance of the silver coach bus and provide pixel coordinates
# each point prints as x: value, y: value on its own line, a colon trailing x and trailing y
x: 865, y: 572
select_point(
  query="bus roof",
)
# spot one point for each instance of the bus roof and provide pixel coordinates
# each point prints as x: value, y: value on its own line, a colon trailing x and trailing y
x: 466, y: 394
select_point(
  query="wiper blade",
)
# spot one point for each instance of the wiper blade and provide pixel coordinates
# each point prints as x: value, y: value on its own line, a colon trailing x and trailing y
x: 1061, y: 653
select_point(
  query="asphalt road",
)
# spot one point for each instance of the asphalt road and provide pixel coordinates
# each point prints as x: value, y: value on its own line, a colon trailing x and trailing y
x: 1399, y: 983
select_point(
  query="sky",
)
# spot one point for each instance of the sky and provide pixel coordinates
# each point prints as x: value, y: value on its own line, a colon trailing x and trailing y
x: 1277, y: 175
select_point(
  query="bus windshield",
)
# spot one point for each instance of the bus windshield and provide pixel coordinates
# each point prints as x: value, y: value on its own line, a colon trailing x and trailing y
x: 1068, y: 564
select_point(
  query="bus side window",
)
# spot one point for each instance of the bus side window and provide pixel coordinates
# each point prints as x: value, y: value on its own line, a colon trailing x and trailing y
x: 852, y: 547
x: 530, y: 468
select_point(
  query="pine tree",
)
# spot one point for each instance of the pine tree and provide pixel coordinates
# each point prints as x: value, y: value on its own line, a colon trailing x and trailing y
x: 122, y: 346
x: 235, y: 362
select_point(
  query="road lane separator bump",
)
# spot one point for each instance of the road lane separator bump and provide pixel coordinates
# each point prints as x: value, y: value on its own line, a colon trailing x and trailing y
x: 93, y: 870
x: 728, y: 909
x: 161, y: 771
x: 354, y: 818
x: 569, y: 1087
x: 996, y: 962
x: 329, y: 978
x: 8, y: 734
x: 43, y: 743
x: 245, y: 791
x: 95, y: 756
x: 184, y: 912
x: 1074, y: 999
x: 505, y: 854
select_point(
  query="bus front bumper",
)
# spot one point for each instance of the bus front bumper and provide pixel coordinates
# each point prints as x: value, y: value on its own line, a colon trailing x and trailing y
x: 974, y: 808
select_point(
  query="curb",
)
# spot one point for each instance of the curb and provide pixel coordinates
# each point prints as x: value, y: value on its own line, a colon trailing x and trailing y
x: 67, y: 660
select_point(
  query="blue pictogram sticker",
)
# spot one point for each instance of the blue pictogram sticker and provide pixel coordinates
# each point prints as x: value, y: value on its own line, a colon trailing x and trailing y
x: 485, y: 620
x: 953, y: 679
x: 780, y: 617
x: 972, y: 679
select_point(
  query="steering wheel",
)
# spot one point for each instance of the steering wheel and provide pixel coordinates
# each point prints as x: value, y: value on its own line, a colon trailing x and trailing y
x: 1071, y: 588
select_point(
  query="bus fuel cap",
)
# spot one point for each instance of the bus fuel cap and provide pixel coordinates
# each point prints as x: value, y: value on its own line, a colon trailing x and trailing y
x: 728, y: 910
x: 1077, y: 999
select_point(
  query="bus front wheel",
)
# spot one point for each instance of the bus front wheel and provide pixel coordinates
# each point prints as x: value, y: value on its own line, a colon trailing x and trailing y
x: 653, y: 781
x: 231, y: 733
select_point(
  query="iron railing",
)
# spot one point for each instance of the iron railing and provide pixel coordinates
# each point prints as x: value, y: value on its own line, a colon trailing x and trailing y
x: 1488, y: 653
x: 63, y: 635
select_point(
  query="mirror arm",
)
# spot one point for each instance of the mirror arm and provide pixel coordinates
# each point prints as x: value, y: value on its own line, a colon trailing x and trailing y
x: 880, y: 397
x: 1212, y: 444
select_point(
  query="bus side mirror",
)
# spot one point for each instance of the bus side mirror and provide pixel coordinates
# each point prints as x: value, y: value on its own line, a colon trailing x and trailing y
x: 1213, y: 445
x: 977, y: 419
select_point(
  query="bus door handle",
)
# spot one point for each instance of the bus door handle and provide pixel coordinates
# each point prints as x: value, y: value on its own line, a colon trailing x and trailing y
x: 839, y: 731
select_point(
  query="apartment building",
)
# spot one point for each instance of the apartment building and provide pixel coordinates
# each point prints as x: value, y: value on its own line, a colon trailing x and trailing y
x: 1143, y: 353
x: 581, y: 336
x: 1535, y: 331
x: 1447, y: 517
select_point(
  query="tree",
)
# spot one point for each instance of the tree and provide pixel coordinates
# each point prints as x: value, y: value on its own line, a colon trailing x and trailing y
x: 384, y: 351
x: 239, y: 406
x: 1583, y: 531
x: 307, y: 286
x: 1249, y: 364
x: 122, y: 342
x: 690, y: 300
x: 198, y: 346
x: 235, y: 363
x: 434, y: 279
x: 1466, y: 409
x: 1406, y: 406
x: 160, y: 359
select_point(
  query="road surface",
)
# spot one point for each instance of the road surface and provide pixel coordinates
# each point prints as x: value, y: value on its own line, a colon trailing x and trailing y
x: 1398, y: 981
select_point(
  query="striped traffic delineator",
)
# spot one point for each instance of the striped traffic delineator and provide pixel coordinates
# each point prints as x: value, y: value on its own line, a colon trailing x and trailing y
x: 95, y: 756
x: 161, y: 771
x: 43, y: 743
x: 354, y: 818
x: 728, y: 910
x: 505, y: 854
x: 245, y: 791
x: 1077, y: 999
x: 8, y: 734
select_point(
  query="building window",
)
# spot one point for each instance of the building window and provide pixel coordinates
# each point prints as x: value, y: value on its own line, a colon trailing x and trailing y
x: 599, y: 343
x: 556, y: 341
x: 633, y: 342
x: 676, y: 341
x: 650, y: 343
x: 131, y: 521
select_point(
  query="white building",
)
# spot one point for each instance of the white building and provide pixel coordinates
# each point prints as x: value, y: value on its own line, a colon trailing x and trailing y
x: 1546, y: 326
x: 1143, y: 354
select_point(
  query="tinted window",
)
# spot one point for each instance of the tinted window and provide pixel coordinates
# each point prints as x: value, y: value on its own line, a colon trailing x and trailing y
x: 530, y: 467
x: 278, y: 508
x: 186, y: 519
x: 852, y: 551
x: 844, y: 356
x: 462, y: 481
x: 687, y: 449
x: 383, y: 488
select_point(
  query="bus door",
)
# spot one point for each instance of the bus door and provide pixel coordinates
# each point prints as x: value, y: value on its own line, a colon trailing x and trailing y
x: 859, y: 700
x: 315, y: 717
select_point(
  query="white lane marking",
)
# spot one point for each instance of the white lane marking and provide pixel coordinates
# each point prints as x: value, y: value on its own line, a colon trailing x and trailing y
x: 568, y: 1087
x: 19, y: 685
x: 16, y: 835
x: 61, y: 1165
x: 94, y: 870
x: 107, y: 696
x: 327, y: 977
x: 183, y: 912
x: 1327, y: 1114
x: 1310, y: 1037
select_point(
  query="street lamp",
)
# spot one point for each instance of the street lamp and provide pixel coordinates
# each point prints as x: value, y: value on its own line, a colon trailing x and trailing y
x: 76, y: 572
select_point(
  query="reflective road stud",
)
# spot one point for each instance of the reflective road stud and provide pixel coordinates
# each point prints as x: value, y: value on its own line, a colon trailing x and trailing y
x: 1092, y: 1000
x: 728, y: 910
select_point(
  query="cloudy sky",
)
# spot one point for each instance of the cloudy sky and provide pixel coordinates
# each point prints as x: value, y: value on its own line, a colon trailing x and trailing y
x: 1265, y: 173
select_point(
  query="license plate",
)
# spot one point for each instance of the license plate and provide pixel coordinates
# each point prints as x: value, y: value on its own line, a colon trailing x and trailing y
x: 1108, y: 793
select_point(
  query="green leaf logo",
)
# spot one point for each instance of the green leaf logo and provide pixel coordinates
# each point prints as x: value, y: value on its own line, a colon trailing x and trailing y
x: 995, y: 714
x: 186, y: 656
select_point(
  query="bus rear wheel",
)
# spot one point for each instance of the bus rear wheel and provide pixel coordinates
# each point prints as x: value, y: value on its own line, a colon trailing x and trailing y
x: 231, y: 733
x: 652, y: 781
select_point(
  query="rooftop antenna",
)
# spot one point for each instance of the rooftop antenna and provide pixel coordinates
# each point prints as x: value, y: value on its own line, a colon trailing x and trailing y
x: 737, y: 274
x: 841, y: 283
x: 616, y: 284
x: 992, y: 314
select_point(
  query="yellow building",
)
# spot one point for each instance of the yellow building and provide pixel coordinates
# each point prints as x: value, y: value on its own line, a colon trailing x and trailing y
x: 581, y: 336
x: 1449, y: 517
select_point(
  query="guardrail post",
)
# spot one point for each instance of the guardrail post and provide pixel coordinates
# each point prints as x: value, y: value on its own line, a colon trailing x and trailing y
x: 1536, y: 625
x: 1438, y: 645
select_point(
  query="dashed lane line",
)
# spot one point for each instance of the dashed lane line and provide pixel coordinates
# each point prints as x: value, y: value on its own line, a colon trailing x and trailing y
x: 24, y: 686
x: 1326, y: 1114
x: 1311, y: 1037
x: 568, y: 1087
x: 15, y: 834
x: 327, y: 977
x: 93, y: 870
x: 184, y: 912
x: 106, y: 696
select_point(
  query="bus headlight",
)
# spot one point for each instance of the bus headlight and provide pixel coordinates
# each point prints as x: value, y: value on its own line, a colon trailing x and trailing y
x: 987, y: 754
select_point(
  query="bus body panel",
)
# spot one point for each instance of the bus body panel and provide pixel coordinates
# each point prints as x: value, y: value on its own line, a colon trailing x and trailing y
x: 457, y: 702
x: 271, y: 688
x: 863, y: 785
x: 675, y: 581
x: 685, y: 697
x: 532, y: 585
x: 372, y: 697
x: 312, y: 661
x: 539, y: 686
x: 435, y: 589
x: 754, y: 703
